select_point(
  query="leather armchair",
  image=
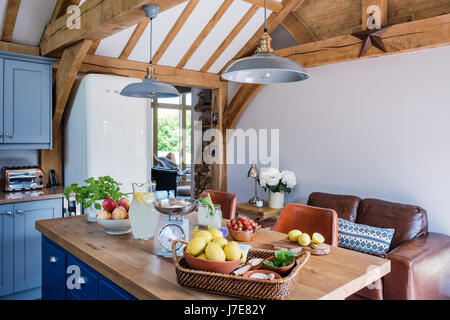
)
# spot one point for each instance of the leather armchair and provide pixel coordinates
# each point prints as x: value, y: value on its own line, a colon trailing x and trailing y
x: 420, y: 261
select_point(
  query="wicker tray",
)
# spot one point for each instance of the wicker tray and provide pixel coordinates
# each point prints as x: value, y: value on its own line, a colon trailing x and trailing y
x: 238, y: 286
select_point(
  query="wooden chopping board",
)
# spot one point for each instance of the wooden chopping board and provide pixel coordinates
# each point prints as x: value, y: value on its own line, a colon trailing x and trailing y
x: 285, y: 244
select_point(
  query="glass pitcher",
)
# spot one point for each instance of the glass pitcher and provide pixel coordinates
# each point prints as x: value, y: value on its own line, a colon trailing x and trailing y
x: 208, y: 218
x: 143, y: 216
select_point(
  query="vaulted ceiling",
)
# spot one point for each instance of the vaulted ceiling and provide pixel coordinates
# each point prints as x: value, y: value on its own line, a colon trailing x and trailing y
x: 222, y: 27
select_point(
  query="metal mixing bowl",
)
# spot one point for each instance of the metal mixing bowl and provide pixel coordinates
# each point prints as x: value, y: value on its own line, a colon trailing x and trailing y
x: 175, y: 206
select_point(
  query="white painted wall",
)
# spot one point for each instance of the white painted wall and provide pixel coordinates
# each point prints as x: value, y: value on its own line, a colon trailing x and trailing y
x: 373, y: 128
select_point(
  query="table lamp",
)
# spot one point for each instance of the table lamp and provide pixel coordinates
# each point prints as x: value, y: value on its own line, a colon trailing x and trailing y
x: 254, y: 174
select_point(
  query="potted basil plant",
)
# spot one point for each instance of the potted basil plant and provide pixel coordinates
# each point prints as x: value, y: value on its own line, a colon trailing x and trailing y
x: 91, y: 195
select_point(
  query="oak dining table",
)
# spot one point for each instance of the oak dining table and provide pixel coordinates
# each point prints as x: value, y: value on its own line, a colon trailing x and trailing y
x: 134, y: 266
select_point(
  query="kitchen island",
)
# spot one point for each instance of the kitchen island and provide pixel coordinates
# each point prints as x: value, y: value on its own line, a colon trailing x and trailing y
x: 135, y: 271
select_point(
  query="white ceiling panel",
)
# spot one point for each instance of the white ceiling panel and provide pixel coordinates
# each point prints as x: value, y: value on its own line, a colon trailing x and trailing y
x: 113, y: 45
x: 32, y: 18
x: 247, y: 32
x: 190, y: 31
x: 161, y: 27
x: 218, y: 34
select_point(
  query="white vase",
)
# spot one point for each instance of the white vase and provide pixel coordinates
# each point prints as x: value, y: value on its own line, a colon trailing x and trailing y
x: 92, y: 212
x: 276, y: 200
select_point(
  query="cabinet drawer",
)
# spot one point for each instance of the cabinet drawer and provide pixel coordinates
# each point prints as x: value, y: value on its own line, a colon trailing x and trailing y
x: 53, y: 288
x: 53, y: 261
x: 82, y: 283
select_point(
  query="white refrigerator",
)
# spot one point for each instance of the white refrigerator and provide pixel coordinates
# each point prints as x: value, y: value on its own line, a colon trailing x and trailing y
x: 107, y: 134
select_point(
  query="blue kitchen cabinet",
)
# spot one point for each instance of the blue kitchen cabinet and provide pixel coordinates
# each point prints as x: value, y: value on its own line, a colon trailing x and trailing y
x: 21, y: 251
x: 26, y: 91
x: 65, y: 277
x: 6, y: 250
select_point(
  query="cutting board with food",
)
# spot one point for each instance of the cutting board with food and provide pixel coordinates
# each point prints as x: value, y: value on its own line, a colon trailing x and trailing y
x: 297, y: 242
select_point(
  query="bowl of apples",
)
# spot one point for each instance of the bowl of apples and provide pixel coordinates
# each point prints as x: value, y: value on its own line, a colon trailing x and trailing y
x: 114, y: 217
x: 243, y: 229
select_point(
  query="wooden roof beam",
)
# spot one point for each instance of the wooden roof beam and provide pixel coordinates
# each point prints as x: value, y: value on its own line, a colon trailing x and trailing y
x: 205, y: 32
x: 137, y: 34
x: 175, y: 29
x: 99, y: 19
x: 136, y: 69
x: 272, y: 5
x: 12, y: 9
x: 233, y: 34
x: 400, y: 38
x: 61, y: 8
x: 298, y: 29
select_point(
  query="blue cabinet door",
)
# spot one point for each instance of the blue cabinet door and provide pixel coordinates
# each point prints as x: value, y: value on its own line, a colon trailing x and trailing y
x: 82, y: 281
x: 27, y: 241
x: 53, y: 271
x: 27, y: 102
x: 1, y: 99
x: 109, y: 291
x: 6, y: 250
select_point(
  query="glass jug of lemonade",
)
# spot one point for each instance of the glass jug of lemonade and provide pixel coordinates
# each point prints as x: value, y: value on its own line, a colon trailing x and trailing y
x: 143, y: 216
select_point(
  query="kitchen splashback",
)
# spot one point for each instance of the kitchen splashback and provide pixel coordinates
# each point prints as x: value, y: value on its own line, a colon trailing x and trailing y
x: 14, y: 158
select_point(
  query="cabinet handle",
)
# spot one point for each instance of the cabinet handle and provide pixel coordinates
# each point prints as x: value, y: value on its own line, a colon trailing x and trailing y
x: 52, y: 259
x: 19, y: 211
x: 8, y: 213
x: 9, y: 135
x: 82, y: 280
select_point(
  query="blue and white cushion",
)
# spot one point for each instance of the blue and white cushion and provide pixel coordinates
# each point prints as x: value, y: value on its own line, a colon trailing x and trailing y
x: 363, y: 238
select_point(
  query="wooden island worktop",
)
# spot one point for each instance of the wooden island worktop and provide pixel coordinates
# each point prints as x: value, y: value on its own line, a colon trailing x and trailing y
x: 134, y: 265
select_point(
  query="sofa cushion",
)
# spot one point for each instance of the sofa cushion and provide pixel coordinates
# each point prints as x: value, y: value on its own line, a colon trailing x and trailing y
x: 345, y: 206
x: 363, y: 238
x: 407, y: 220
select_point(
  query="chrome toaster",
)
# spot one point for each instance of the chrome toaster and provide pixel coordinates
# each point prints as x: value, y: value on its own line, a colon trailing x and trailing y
x: 22, y: 178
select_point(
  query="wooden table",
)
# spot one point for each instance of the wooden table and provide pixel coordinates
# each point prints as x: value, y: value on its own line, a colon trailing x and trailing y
x: 263, y: 213
x: 134, y: 266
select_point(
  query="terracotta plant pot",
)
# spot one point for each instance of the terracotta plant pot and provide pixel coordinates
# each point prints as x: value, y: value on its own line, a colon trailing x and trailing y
x: 208, y: 265
x: 242, y: 236
x: 267, y: 272
x: 281, y: 270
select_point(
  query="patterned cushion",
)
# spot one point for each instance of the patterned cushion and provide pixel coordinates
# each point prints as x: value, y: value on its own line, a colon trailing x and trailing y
x: 363, y: 238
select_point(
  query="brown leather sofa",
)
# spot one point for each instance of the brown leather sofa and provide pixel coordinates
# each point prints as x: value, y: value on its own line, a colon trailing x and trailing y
x: 420, y: 260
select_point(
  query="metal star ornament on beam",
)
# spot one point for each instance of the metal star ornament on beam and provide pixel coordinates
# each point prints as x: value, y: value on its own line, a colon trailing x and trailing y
x: 371, y: 38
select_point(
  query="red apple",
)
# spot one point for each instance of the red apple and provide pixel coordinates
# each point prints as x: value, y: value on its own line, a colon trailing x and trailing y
x: 109, y: 204
x: 119, y: 213
x: 124, y: 202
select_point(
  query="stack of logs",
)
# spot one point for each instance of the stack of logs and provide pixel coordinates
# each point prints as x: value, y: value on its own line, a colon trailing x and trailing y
x: 203, y: 178
x: 203, y: 172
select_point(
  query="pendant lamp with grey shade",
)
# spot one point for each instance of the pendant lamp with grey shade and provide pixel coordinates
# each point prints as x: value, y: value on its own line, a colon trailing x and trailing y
x: 150, y: 87
x: 265, y: 67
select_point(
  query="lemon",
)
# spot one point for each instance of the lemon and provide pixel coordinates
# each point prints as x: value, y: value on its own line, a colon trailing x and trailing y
x: 304, y: 240
x: 196, y: 246
x: 232, y: 251
x: 204, y: 234
x: 138, y: 196
x: 216, y: 233
x: 202, y: 256
x: 214, y: 252
x: 293, y: 235
x: 220, y: 241
x: 149, y: 197
x: 318, y: 238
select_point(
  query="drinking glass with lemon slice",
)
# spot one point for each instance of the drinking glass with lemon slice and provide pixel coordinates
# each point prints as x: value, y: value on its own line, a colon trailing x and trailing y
x: 143, y: 216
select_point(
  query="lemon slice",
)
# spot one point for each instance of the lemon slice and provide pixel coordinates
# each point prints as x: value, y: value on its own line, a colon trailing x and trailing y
x: 318, y: 238
x: 149, y: 197
x: 138, y: 196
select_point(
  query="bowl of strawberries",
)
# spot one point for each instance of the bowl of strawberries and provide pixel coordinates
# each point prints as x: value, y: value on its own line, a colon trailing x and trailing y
x: 243, y: 229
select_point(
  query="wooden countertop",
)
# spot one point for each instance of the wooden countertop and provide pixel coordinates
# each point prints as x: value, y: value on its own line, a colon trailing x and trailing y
x: 134, y: 266
x: 32, y: 195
